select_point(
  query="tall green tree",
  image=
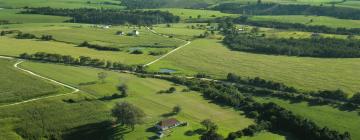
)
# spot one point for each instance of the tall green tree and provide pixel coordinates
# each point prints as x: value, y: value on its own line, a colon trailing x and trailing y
x: 127, y: 114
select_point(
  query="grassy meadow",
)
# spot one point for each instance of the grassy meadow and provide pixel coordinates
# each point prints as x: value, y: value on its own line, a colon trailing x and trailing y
x: 143, y: 92
x: 316, y: 20
x: 186, y: 14
x: 59, y: 3
x: 323, y: 115
x: 13, y: 17
x: 210, y: 56
x: 18, y: 86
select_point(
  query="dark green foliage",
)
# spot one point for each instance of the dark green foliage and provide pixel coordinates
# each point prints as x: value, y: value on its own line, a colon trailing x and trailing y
x: 156, y: 53
x: 127, y: 114
x: 211, y: 129
x: 289, y: 9
x: 46, y: 37
x: 171, y: 90
x: 25, y: 36
x: 141, y: 4
x: 314, y: 47
x: 177, y: 109
x: 356, y: 98
x: 137, y: 52
x: 82, y: 60
x: 98, y: 47
x: 3, y: 22
x: 332, y: 94
x: 109, y: 16
x: 123, y: 89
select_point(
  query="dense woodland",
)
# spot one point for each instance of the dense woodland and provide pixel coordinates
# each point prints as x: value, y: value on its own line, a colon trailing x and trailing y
x: 142, y: 4
x: 315, y: 46
x: 277, y: 118
x: 108, y: 16
x: 289, y: 9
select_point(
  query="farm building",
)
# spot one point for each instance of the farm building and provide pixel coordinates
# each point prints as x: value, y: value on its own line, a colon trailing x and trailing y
x: 135, y: 33
x: 168, y: 124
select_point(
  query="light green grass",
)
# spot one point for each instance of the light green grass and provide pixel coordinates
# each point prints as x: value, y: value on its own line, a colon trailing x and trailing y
x: 13, y: 16
x: 323, y: 116
x: 194, y: 13
x: 266, y: 136
x: 18, y: 86
x: 317, y: 20
x: 58, y: 3
x: 143, y: 93
x: 210, y: 56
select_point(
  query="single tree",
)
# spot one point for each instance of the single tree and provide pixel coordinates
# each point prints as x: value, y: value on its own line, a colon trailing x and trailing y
x: 171, y: 90
x: 127, y: 114
x: 209, y: 125
x: 177, y: 109
x: 123, y: 89
x: 102, y: 76
x: 356, y: 98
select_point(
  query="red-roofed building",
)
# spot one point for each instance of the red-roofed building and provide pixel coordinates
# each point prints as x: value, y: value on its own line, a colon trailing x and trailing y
x: 167, y: 124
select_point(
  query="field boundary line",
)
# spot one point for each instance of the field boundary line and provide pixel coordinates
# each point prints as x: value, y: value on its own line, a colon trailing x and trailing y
x: 172, y: 51
x: 42, y: 77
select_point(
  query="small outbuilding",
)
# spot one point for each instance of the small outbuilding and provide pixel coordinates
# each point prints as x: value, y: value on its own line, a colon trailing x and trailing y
x: 135, y: 33
x: 168, y: 124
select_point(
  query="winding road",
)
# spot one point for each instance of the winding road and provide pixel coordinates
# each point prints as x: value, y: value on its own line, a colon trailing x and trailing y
x: 172, y: 51
x: 16, y: 65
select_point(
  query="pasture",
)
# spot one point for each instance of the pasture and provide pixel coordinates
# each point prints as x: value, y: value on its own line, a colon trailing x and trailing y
x: 310, y: 20
x: 12, y: 16
x: 18, y: 86
x: 188, y: 14
x: 143, y: 92
x: 60, y: 3
x: 211, y: 57
x: 323, y: 115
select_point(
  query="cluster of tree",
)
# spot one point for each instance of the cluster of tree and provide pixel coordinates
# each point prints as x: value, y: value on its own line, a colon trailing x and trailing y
x: 109, y: 16
x: 3, y: 33
x: 98, y: 47
x: 289, y: 9
x: 25, y: 36
x: 143, y: 4
x: 137, y: 52
x: 315, y: 46
x: 123, y: 89
x: 298, y: 26
x: 258, y: 82
x: 47, y: 37
x: 127, y: 114
x: 82, y: 60
x: 3, y: 22
x: 356, y: 98
x: 210, y: 131
x: 250, y: 130
x: 170, y: 90
x: 156, y: 53
x: 280, y: 118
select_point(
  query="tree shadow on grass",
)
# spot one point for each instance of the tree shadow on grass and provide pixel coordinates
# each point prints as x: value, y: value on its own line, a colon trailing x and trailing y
x: 96, y: 131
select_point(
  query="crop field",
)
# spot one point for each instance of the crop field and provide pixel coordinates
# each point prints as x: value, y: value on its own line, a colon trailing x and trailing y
x: 316, y: 20
x: 144, y: 94
x: 195, y: 14
x: 12, y: 16
x: 210, y: 56
x: 18, y: 86
x: 59, y: 3
x: 323, y: 115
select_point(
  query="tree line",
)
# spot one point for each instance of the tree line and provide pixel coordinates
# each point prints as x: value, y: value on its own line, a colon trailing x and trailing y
x: 98, y: 47
x: 278, y: 118
x: 82, y: 60
x: 143, y: 4
x: 108, y: 16
x: 298, y: 26
x: 315, y: 46
x: 289, y: 9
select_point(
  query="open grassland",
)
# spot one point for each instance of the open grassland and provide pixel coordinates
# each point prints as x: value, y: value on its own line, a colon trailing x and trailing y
x: 17, y: 86
x: 210, y: 56
x: 180, y: 30
x: 59, y: 3
x: 195, y: 14
x: 316, y: 20
x: 323, y: 115
x: 143, y: 92
x: 14, y: 47
x: 12, y: 16
x: 78, y: 33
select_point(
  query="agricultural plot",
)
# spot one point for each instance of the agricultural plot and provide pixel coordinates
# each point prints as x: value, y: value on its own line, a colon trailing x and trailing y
x: 143, y: 92
x: 188, y: 14
x: 323, y: 115
x: 310, y: 20
x: 18, y: 86
x: 60, y: 3
x: 211, y: 57
x: 186, y: 31
x: 12, y: 16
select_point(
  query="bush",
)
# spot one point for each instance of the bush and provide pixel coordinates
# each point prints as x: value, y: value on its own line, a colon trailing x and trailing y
x: 137, y: 52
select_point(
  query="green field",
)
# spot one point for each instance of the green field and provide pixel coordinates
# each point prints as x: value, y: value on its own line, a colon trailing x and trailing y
x: 323, y: 115
x: 58, y: 3
x: 13, y: 17
x: 19, y: 86
x: 143, y: 93
x: 317, y: 20
x: 185, y: 14
x: 210, y: 56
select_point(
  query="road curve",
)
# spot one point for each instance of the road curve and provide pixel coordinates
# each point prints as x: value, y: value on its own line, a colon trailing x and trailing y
x: 16, y: 65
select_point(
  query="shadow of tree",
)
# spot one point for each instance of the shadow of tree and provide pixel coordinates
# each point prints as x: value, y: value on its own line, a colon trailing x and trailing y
x: 97, y: 131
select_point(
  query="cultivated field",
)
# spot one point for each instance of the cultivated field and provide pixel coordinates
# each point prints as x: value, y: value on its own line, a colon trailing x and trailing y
x: 186, y: 14
x: 12, y: 16
x: 210, y: 56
